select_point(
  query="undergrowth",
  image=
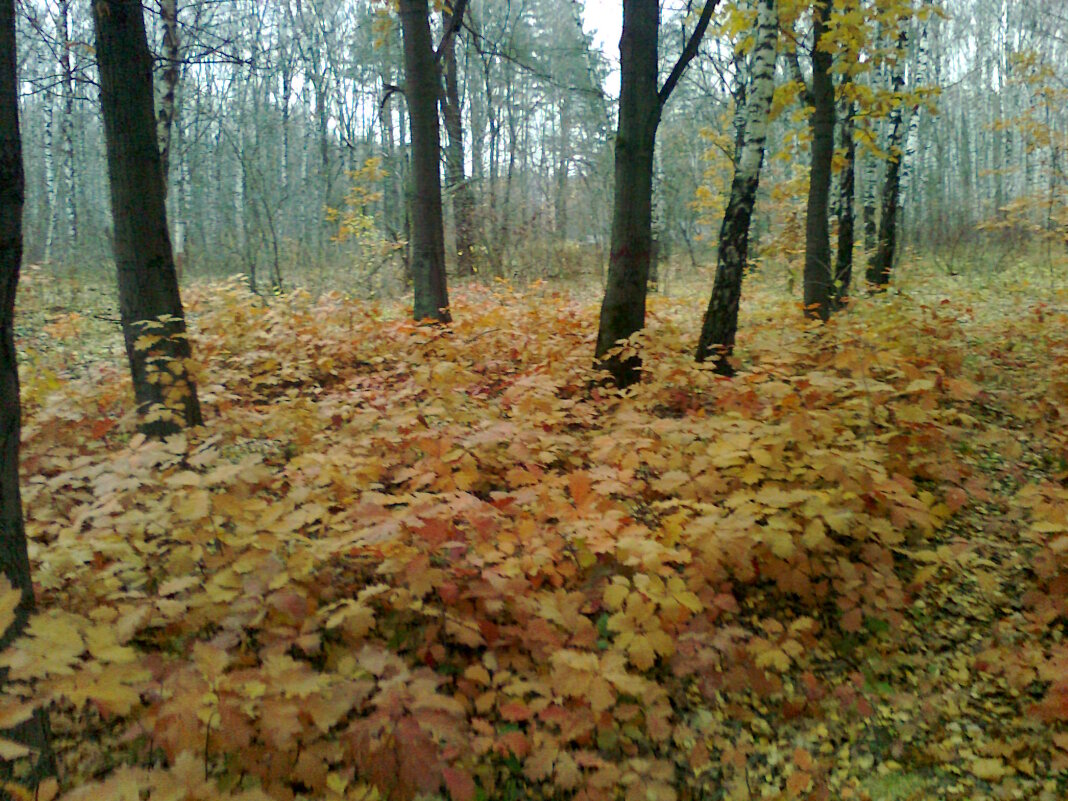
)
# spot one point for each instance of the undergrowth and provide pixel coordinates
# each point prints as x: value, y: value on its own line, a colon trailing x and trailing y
x: 403, y: 560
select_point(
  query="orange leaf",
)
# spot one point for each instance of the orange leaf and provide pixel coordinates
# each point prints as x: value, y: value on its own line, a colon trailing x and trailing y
x: 459, y: 783
x: 798, y: 783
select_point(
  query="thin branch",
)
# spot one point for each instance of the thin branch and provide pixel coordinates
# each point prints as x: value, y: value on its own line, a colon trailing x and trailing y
x: 456, y: 19
x: 688, y: 52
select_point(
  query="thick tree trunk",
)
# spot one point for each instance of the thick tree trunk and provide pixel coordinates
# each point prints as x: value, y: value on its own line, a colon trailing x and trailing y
x: 882, y: 263
x: 14, y: 557
x: 153, y: 322
x: 721, y: 318
x: 428, y: 229
x: 455, y: 179
x: 843, y: 271
x: 640, y: 108
x: 819, y: 280
x: 623, y: 307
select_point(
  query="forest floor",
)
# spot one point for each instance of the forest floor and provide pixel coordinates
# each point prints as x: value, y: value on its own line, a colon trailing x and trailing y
x: 401, y: 561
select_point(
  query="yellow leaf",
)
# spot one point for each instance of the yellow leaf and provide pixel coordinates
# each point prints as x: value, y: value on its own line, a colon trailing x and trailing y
x: 10, y: 750
x: 9, y: 601
x: 641, y: 652
x: 195, y: 505
x: 12, y: 713
x: 780, y: 542
x: 990, y: 770
x: 10, y: 788
x: 615, y: 595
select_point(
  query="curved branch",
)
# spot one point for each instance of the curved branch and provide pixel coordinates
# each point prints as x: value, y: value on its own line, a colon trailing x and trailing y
x: 688, y: 52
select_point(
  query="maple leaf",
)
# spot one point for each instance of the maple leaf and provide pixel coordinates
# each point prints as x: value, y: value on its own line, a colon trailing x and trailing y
x: 459, y: 783
x: 9, y: 601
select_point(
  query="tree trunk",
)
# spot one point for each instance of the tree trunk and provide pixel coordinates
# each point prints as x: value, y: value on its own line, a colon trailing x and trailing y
x: 153, y: 322
x: 67, y: 124
x: 881, y: 265
x: 871, y: 228
x: 843, y: 271
x: 14, y: 557
x: 455, y: 178
x: 623, y: 307
x: 640, y: 109
x: 428, y: 229
x: 721, y: 318
x: 51, y: 195
x: 168, y: 12
x: 819, y: 281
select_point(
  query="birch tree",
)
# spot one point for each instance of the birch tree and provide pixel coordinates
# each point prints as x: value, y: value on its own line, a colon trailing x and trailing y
x: 720, y: 324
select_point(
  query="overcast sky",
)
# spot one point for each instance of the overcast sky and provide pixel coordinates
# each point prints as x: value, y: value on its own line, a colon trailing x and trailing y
x: 604, y: 19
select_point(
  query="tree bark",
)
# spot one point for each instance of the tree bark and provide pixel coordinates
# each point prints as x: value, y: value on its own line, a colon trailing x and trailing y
x: 871, y: 229
x: 67, y: 124
x: 623, y: 307
x: 720, y: 324
x: 640, y: 109
x: 882, y: 263
x: 843, y: 271
x: 428, y: 229
x: 819, y: 281
x: 455, y: 178
x: 14, y: 556
x: 168, y: 11
x: 153, y: 321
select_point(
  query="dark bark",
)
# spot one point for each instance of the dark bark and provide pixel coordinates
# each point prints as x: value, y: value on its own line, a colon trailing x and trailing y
x: 623, y: 307
x: 819, y: 281
x: 843, y: 270
x: 720, y: 324
x: 153, y: 322
x: 882, y: 263
x: 14, y: 556
x: 640, y: 108
x: 428, y: 228
x: 455, y: 179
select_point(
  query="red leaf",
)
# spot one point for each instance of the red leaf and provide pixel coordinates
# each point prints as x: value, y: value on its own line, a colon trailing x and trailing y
x: 459, y: 783
x: 852, y: 620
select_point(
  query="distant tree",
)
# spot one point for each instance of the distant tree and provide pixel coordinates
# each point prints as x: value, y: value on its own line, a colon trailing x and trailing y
x: 843, y: 270
x: 422, y: 88
x: 721, y: 318
x: 455, y: 162
x: 153, y: 322
x: 901, y: 147
x: 641, y: 106
x: 818, y: 278
x: 14, y: 556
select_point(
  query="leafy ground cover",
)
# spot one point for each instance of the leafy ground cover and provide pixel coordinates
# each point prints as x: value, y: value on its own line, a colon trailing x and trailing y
x: 402, y: 561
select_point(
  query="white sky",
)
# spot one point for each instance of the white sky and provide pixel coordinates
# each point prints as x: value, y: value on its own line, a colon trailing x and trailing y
x: 604, y: 19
